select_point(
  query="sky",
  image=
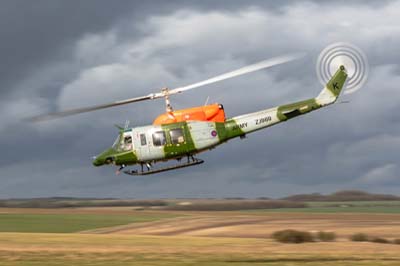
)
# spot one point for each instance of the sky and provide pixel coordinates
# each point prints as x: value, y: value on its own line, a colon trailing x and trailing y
x: 59, y: 54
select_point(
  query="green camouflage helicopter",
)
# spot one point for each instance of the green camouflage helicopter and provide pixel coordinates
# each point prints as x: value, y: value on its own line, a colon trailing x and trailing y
x: 182, y: 134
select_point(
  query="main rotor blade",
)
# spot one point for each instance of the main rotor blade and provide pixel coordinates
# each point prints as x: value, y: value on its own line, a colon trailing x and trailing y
x: 89, y: 109
x: 241, y: 71
x: 244, y: 70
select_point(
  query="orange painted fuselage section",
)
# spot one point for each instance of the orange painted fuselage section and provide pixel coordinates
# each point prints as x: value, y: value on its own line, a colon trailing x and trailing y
x: 212, y: 112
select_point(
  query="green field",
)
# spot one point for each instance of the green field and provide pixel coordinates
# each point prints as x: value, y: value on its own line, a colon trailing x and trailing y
x: 127, y: 258
x: 70, y: 222
x: 344, y: 206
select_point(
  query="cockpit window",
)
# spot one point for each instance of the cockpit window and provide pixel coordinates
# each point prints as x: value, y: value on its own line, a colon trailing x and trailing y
x: 123, y: 143
x: 159, y: 138
x: 127, y: 143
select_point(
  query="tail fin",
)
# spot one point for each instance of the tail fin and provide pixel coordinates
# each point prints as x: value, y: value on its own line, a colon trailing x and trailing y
x: 331, y: 91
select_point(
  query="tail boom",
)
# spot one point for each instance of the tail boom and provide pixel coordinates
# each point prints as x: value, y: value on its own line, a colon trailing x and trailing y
x: 241, y: 125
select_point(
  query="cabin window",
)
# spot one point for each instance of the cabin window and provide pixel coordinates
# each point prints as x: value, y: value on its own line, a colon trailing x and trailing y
x: 176, y: 136
x: 159, y: 138
x: 143, y: 139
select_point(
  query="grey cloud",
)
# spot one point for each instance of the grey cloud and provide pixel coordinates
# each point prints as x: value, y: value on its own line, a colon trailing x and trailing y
x: 385, y: 174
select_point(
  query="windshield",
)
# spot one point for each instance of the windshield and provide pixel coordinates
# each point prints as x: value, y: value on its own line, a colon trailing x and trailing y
x: 116, y: 142
x: 123, y: 142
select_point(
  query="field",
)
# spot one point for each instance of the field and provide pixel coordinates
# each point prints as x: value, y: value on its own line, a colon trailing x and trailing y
x: 127, y: 236
x: 68, y: 223
x: 346, y: 206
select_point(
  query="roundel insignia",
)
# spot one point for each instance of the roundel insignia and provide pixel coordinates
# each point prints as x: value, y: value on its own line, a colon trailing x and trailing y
x: 214, y: 133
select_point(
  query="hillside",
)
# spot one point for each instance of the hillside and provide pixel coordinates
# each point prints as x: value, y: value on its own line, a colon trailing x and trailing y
x: 198, y: 204
x: 344, y: 195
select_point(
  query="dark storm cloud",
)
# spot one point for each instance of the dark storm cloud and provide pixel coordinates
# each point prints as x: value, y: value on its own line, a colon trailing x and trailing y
x: 60, y: 54
x: 36, y: 33
x: 44, y: 31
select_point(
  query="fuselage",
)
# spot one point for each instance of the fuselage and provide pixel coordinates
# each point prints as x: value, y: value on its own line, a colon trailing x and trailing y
x: 163, y: 142
x: 175, y: 140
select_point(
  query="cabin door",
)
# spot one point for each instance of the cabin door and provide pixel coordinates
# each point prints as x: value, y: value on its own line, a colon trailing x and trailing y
x: 142, y: 145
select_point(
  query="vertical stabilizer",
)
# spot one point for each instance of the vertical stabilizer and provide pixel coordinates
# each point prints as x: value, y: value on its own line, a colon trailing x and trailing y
x: 332, y: 89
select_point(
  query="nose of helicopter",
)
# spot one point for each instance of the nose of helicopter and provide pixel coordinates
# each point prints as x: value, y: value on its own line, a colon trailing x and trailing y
x: 100, y: 159
x: 112, y: 156
x: 97, y: 162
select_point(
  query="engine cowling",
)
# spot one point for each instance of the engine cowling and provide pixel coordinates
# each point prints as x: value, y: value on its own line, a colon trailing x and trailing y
x: 213, y: 112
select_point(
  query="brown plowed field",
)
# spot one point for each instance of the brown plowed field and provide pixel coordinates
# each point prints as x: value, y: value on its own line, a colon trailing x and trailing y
x: 262, y: 225
x: 205, y: 238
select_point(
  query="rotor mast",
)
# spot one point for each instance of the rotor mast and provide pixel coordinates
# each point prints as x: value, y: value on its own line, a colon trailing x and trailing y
x: 168, y: 106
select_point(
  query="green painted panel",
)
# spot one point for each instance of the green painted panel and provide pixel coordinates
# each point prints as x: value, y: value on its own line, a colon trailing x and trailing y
x: 232, y: 129
x: 127, y: 157
x: 180, y: 149
x: 291, y: 110
x: 336, y: 83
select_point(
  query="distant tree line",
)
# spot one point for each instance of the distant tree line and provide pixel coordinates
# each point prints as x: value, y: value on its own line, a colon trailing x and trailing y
x: 345, y: 195
x: 73, y: 203
x: 209, y: 204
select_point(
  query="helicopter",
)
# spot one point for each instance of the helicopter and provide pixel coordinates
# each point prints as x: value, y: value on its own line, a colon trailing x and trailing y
x: 179, y: 135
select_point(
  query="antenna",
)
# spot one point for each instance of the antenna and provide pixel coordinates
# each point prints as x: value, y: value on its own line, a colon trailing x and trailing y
x: 126, y: 124
x: 208, y: 98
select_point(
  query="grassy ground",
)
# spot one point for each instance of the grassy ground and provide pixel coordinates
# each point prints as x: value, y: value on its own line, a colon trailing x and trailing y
x: 345, y: 204
x: 345, y: 207
x: 77, y: 249
x: 69, y: 222
x: 349, y: 209
x: 123, y: 236
x: 128, y: 258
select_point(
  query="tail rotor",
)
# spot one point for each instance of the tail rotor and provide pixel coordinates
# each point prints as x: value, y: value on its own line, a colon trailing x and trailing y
x: 348, y: 55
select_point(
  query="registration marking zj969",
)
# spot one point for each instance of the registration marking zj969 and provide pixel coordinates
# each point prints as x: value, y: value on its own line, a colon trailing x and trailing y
x: 263, y: 120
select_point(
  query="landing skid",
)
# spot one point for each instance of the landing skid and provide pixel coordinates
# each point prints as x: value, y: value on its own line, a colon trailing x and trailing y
x: 194, y: 161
